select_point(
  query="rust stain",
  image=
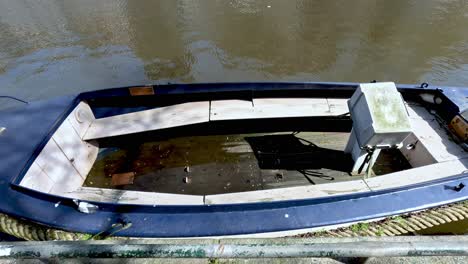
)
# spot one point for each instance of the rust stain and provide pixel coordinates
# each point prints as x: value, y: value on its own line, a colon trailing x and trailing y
x: 123, y: 178
x: 141, y: 90
x: 220, y: 250
x: 459, y: 127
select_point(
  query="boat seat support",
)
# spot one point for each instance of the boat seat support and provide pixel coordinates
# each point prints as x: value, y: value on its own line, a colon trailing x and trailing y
x: 380, y: 121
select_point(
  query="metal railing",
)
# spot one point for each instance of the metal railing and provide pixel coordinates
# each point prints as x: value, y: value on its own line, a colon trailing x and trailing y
x: 241, y: 248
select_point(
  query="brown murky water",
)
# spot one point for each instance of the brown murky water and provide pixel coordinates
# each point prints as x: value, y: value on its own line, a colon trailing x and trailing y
x: 204, y: 165
x: 56, y: 47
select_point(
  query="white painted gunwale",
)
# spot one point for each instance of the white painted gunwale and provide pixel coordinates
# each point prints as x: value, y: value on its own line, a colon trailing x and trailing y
x: 434, y: 157
x: 66, y: 159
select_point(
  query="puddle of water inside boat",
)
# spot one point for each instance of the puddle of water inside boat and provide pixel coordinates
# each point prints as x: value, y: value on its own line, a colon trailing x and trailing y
x: 203, y: 165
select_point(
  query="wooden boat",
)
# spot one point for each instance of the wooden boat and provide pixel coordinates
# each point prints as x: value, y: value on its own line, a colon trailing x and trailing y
x: 292, y: 137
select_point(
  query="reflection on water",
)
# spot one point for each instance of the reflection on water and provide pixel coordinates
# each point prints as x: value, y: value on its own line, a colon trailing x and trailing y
x: 224, y: 163
x: 187, y: 165
x: 56, y: 47
x: 216, y: 164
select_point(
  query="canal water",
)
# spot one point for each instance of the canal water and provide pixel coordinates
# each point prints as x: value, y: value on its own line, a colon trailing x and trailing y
x: 216, y: 164
x: 57, y: 47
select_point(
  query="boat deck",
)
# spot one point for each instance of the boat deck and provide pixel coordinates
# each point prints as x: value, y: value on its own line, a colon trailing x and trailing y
x: 204, y: 165
x: 49, y: 154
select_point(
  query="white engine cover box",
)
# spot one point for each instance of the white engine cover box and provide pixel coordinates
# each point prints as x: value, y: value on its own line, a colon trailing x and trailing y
x: 379, y: 115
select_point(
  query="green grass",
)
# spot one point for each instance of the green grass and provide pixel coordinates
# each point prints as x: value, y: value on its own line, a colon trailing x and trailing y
x: 360, y: 227
x: 86, y: 237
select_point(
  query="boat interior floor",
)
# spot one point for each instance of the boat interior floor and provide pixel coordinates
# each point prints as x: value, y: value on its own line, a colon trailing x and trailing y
x: 204, y: 165
x: 231, y: 151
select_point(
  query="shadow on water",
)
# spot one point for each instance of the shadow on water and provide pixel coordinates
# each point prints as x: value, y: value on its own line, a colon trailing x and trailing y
x: 223, y: 163
x: 233, y: 156
x: 289, y: 152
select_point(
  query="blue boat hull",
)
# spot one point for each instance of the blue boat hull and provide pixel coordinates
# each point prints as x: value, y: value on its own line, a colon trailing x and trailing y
x: 30, y: 127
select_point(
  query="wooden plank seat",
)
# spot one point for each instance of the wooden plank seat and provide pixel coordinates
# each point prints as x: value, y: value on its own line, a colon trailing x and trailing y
x: 200, y: 112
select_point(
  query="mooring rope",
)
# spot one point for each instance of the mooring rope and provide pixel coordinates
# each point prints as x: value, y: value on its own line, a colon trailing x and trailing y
x: 391, y: 226
x: 31, y: 231
x: 401, y: 224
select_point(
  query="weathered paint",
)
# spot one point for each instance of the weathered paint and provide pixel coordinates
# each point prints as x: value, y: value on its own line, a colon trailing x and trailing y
x: 30, y: 127
x: 249, y: 248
